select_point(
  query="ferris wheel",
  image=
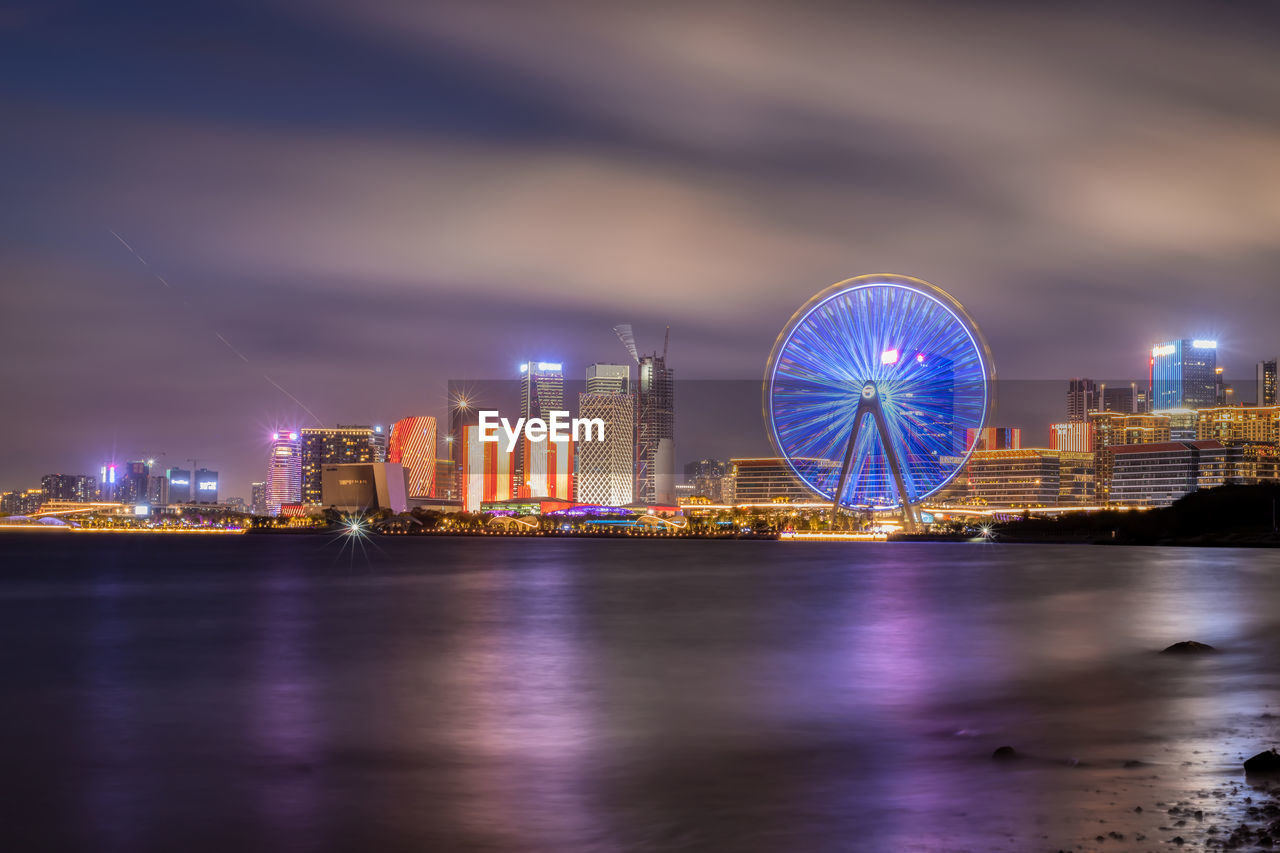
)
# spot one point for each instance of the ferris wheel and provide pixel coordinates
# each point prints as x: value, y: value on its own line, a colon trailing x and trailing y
x: 885, y: 350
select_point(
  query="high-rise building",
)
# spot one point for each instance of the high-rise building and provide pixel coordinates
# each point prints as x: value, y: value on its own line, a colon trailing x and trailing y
x: 463, y: 412
x: 78, y: 488
x: 413, y: 445
x: 379, y: 442
x: 132, y: 482
x: 258, y: 499
x: 605, y: 469
x: 655, y: 462
x: 1183, y: 374
x: 284, y: 471
x: 1266, y: 383
x: 179, y: 485
x: 541, y: 393
x: 1082, y: 398
x: 322, y: 446
x: 1073, y: 436
x: 1111, y: 429
x: 608, y: 378
x: 206, y: 486
x: 486, y: 470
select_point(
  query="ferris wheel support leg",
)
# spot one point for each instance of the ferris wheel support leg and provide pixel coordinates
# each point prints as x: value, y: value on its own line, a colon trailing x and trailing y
x: 848, y: 462
x: 891, y: 457
x: 872, y: 407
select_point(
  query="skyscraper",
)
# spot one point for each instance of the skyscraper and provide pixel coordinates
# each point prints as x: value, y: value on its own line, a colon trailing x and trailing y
x: 608, y: 378
x: 284, y: 472
x: 655, y: 464
x: 413, y: 445
x: 258, y: 499
x: 541, y: 392
x: 1183, y: 374
x: 1082, y: 398
x: 1266, y: 377
x: 338, y: 446
x: 605, y: 469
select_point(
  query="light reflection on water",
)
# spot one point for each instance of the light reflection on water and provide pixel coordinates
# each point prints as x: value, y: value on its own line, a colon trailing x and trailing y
x: 254, y: 694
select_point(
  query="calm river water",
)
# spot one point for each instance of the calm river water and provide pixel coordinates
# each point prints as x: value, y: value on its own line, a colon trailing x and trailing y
x: 284, y: 693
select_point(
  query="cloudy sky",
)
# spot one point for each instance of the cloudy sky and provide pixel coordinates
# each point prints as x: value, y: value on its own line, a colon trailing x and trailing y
x: 366, y: 200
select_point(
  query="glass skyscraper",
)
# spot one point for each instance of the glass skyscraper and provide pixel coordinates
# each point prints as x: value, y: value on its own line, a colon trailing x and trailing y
x: 1183, y: 374
x: 541, y: 393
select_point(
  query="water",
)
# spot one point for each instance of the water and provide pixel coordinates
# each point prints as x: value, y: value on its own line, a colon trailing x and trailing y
x: 282, y: 693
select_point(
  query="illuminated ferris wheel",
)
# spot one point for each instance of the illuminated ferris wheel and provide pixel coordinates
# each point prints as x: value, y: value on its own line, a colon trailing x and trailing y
x: 887, y: 351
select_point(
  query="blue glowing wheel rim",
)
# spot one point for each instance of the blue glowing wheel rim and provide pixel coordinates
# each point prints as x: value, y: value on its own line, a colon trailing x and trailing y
x: 930, y: 367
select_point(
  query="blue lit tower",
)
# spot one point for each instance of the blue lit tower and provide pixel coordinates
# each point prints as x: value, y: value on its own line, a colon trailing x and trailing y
x: 1183, y: 374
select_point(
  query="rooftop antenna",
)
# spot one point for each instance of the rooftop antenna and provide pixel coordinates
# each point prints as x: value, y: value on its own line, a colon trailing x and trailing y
x: 628, y: 338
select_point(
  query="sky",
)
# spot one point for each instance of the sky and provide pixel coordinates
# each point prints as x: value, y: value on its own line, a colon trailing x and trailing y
x: 341, y: 207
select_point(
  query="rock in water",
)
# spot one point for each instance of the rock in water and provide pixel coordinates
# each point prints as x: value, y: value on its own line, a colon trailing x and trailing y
x: 1188, y: 647
x: 1263, y: 762
x: 1004, y: 753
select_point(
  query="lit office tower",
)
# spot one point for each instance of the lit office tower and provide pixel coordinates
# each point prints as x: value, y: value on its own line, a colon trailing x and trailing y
x: 379, y: 442
x: 1082, y: 398
x: 284, y: 472
x: 1266, y: 383
x: 486, y: 470
x: 179, y: 486
x: 541, y: 393
x: 655, y: 466
x: 338, y: 446
x: 1183, y: 374
x: 413, y: 445
x: 258, y: 498
x: 606, y: 468
x: 608, y: 379
x: 550, y: 469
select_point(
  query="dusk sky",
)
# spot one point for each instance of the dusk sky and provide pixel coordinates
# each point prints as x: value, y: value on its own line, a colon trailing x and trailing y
x: 367, y: 200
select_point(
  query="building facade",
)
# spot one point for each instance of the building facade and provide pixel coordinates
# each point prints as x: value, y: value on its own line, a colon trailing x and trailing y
x: 345, y: 444
x: 1239, y: 425
x: 655, y: 462
x: 1073, y: 436
x: 258, y: 498
x: 284, y: 471
x: 1155, y: 475
x: 413, y: 445
x: 769, y: 479
x: 1031, y: 477
x: 364, y: 487
x: 77, y: 488
x: 605, y: 469
x: 1265, y: 392
x: 486, y: 470
x: 608, y: 379
x: 994, y: 438
x: 206, y: 486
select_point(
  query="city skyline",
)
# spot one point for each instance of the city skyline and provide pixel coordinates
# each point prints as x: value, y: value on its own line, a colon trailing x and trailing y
x: 358, y: 238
